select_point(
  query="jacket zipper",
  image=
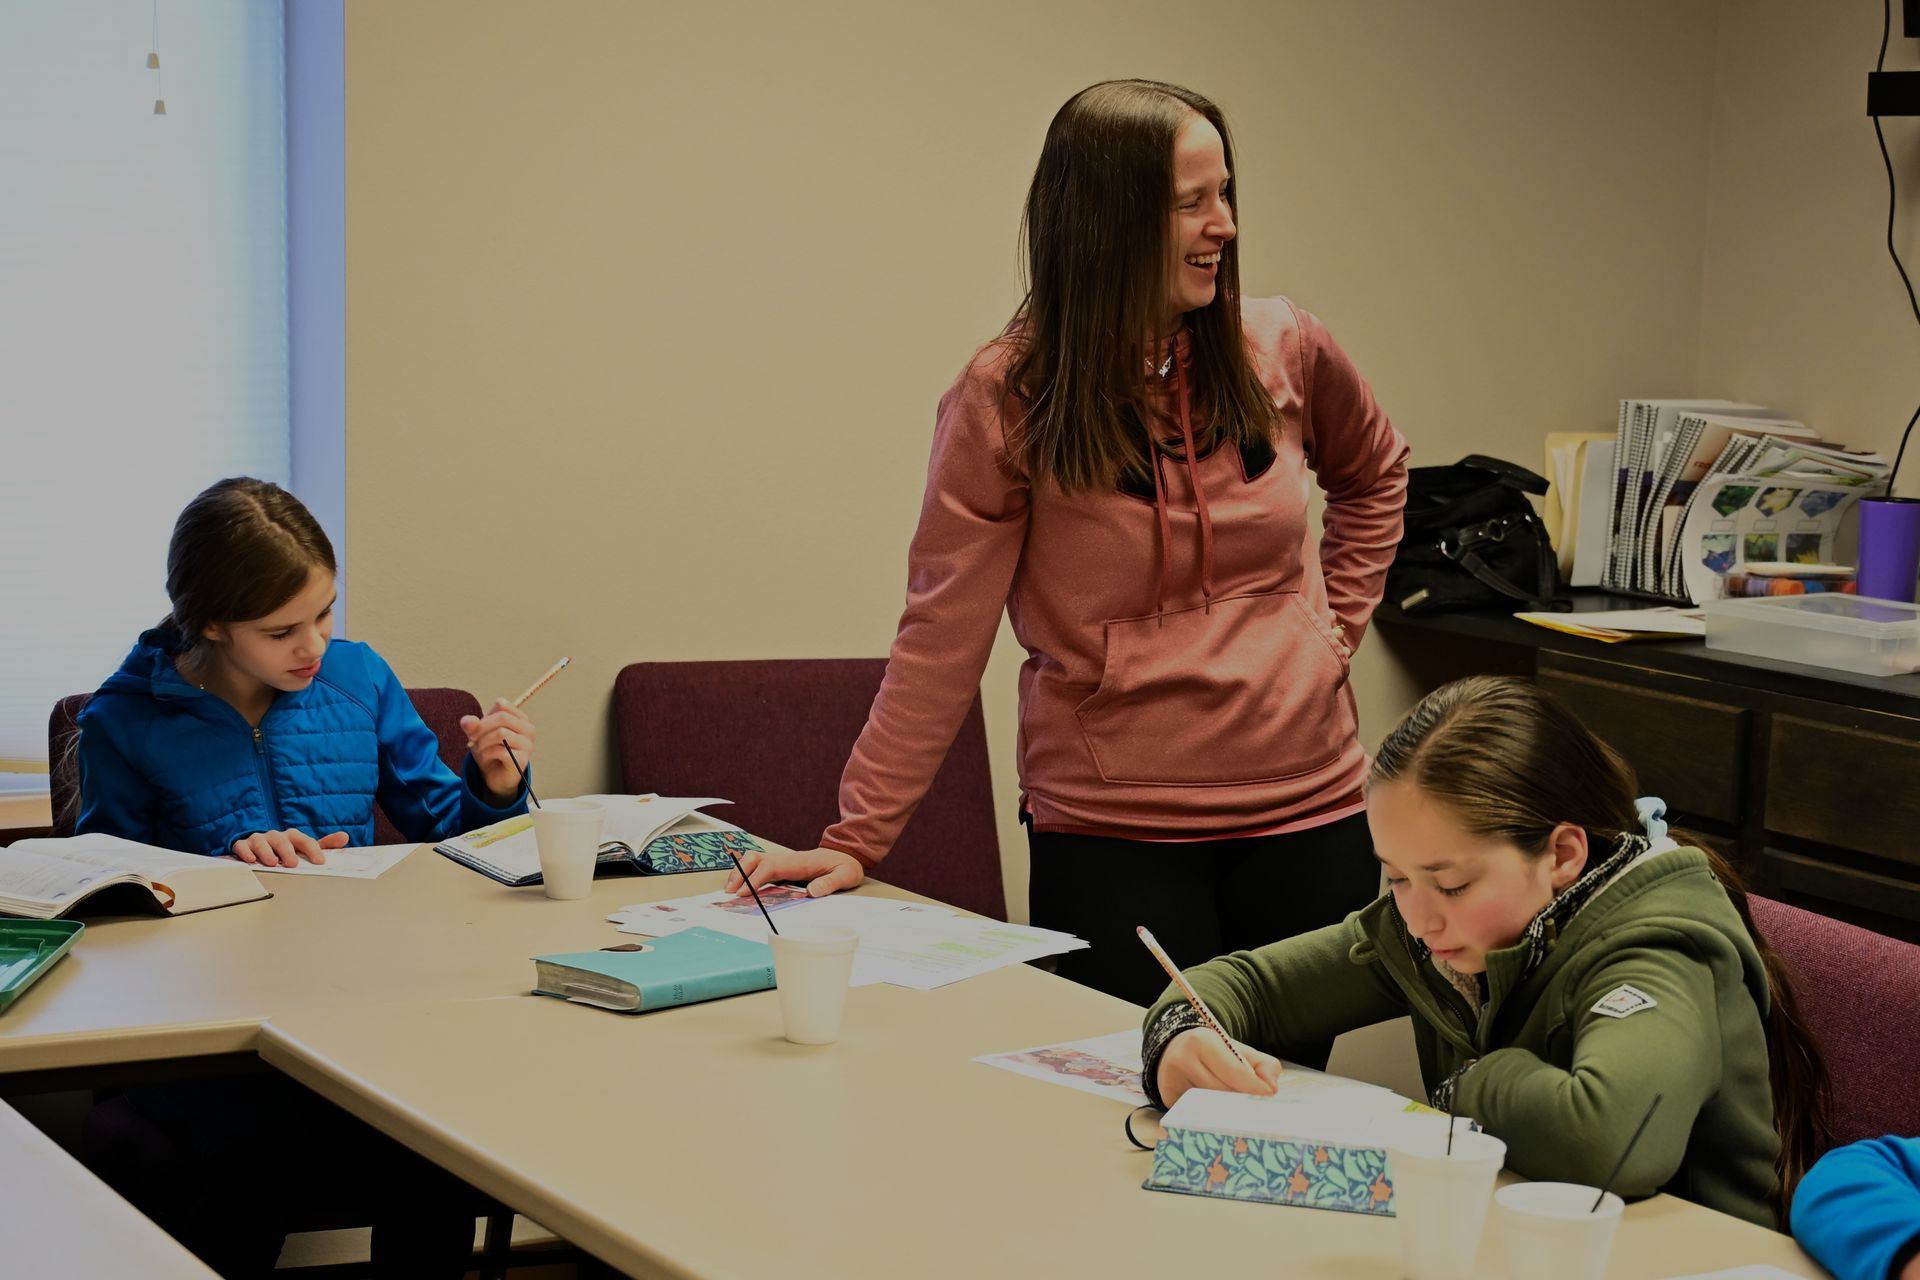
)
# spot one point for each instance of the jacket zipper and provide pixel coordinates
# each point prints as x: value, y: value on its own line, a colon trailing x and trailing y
x: 266, y: 782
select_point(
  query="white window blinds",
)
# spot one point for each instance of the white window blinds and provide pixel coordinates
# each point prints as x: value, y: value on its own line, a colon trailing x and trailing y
x: 143, y: 314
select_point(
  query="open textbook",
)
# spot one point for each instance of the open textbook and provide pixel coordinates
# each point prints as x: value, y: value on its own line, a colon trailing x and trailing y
x: 650, y: 834
x: 47, y: 878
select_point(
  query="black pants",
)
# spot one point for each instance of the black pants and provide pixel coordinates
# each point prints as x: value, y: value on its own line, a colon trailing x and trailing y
x: 228, y: 1166
x: 1200, y: 899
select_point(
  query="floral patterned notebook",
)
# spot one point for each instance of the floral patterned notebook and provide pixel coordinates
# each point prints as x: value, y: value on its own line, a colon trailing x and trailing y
x: 1318, y: 1143
x: 1318, y: 1175
x: 694, y: 851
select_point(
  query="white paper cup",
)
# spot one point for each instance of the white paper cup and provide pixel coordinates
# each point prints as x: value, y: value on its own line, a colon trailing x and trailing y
x: 1440, y: 1200
x: 568, y: 833
x: 1550, y: 1233
x: 811, y: 966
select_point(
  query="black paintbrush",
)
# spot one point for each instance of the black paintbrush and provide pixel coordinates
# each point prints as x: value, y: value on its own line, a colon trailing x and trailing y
x: 1622, y: 1161
x: 755, y: 892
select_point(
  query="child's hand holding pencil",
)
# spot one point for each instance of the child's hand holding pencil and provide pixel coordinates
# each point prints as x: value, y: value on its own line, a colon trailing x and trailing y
x: 502, y: 740
x: 1206, y: 1057
x: 1199, y: 1059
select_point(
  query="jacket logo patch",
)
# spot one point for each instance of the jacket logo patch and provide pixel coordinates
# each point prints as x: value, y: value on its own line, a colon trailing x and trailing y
x: 1623, y: 1001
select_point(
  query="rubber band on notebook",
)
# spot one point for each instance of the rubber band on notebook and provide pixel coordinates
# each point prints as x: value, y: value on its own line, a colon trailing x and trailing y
x: 1147, y: 1106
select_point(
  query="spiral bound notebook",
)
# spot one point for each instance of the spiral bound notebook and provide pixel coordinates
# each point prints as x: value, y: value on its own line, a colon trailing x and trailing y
x: 654, y: 835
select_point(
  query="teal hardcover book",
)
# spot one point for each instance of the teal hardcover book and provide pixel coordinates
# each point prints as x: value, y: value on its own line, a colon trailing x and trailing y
x: 681, y: 968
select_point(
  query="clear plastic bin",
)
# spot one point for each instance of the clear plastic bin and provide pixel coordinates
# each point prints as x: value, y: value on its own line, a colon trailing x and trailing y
x: 1852, y: 633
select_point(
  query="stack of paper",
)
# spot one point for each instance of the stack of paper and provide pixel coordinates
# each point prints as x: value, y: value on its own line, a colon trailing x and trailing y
x: 908, y: 944
x: 1614, y: 625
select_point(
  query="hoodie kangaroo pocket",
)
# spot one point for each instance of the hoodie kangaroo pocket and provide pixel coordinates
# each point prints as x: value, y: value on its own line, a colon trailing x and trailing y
x: 1249, y: 692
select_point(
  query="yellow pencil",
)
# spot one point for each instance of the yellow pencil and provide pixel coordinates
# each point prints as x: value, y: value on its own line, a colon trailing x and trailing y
x: 537, y: 685
x: 1193, y: 997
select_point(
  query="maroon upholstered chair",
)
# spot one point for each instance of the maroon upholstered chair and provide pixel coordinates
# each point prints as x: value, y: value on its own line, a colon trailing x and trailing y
x: 1857, y: 991
x: 773, y: 737
x: 440, y: 708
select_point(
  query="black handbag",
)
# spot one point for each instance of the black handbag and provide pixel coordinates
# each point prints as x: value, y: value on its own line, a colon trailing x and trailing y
x: 1473, y: 541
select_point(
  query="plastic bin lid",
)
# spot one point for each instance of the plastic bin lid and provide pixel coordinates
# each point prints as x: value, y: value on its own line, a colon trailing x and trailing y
x: 1828, y: 611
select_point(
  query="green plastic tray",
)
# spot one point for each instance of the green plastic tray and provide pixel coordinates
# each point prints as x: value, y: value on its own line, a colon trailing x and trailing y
x: 28, y: 948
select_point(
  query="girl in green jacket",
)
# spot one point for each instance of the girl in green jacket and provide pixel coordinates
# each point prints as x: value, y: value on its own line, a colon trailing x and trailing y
x: 1562, y: 958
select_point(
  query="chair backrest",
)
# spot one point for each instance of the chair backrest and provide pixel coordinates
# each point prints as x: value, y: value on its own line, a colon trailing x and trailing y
x: 1859, y: 992
x: 63, y: 766
x: 773, y: 736
x: 440, y: 708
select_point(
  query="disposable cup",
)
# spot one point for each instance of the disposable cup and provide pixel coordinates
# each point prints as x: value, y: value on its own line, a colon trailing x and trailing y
x: 568, y: 834
x: 1440, y: 1200
x: 1552, y: 1231
x: 812, y: 965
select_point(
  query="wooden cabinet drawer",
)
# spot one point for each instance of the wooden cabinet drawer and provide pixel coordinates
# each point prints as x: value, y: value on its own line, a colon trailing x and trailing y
x: 1845, y: 787
x: 1813, y: 883
x: 1691, y: 752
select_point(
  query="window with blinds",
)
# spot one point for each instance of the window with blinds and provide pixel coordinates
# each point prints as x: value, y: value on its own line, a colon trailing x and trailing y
x: 143, y: 314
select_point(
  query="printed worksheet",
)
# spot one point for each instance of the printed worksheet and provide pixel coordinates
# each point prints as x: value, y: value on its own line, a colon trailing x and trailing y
x: 1106, y: 1065
x: 363, y: 862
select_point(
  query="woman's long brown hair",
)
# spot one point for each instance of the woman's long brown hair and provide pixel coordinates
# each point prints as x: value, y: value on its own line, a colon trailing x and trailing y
x: 1098, y: 233
x: 1511, y: 761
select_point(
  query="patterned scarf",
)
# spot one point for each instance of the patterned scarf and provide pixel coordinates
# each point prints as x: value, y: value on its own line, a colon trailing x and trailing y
x: 1548, y: 922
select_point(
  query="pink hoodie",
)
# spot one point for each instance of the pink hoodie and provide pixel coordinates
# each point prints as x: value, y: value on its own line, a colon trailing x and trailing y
x: 1184, y: 678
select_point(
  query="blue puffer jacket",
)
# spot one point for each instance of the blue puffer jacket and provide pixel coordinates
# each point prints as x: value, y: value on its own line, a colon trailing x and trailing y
x: 1858, y: 1209
x: 167, y: 764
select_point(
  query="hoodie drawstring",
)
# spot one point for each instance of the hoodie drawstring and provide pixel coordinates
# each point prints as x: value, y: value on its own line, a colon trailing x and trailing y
x: 1199, y: 501
x: 1166, y: 532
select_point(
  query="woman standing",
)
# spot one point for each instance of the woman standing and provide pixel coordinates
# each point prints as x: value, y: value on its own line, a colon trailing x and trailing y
x: 1125, y: 470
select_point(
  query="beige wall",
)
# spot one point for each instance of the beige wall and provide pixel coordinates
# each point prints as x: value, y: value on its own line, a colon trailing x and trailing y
x: 649, y: 305
x: 1801, y: 306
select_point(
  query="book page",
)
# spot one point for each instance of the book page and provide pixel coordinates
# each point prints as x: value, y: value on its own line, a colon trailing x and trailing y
x: 364, y: 862
x: 639, y: 820
x: 1108, y: 1066
x: 28, y: 878
x: 112, y: 851
x: 506, y: 849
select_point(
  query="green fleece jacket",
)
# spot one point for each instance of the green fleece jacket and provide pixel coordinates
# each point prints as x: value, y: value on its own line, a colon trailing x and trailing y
x: 1561, y: 1082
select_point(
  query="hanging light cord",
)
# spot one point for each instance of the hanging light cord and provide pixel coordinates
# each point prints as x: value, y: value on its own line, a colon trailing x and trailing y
x: 1886, y: 27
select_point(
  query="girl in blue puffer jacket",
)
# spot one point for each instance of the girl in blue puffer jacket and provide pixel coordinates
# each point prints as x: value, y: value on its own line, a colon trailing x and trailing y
x: 238, y: 725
